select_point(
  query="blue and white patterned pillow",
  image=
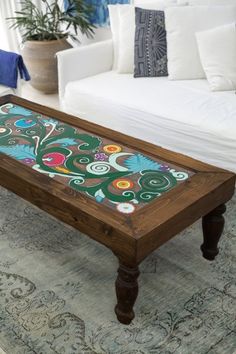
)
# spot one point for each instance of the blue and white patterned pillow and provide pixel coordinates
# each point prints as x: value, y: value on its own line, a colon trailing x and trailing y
x: 150, y: 53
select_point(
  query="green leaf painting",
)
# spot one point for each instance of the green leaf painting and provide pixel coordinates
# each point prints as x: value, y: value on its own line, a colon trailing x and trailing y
x: 107, y: 172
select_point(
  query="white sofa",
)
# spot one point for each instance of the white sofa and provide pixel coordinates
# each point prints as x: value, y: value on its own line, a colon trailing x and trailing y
x: 5, y: 90
x: 183, y: 116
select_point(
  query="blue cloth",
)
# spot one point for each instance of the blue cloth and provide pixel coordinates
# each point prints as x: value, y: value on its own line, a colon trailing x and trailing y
x: 11, y: 64
x: 99, y: 15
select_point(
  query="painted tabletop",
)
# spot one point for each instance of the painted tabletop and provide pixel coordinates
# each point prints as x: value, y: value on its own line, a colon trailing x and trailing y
x: 111, y: 173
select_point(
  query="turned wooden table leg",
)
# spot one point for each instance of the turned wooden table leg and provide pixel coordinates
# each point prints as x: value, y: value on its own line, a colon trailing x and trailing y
x: 126, y: 292
x: 213, y: 225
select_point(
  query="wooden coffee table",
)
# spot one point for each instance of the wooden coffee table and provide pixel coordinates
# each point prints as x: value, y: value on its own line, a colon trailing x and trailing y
x: 125, y: 193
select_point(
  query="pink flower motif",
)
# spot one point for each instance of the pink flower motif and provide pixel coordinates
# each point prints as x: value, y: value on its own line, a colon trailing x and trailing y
x: 53, y: 159
x: 100, y: 156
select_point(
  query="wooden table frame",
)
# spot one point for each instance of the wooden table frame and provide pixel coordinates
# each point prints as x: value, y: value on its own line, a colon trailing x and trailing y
x: 130, y: 237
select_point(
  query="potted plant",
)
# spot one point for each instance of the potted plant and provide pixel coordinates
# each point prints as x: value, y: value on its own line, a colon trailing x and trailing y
x: 44, y: 32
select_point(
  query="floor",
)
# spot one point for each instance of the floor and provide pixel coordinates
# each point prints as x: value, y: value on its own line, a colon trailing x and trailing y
x: 52, y: 100
x: 31, y: 94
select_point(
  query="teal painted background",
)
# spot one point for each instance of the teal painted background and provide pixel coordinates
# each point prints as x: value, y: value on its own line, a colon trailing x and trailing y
x: 99, y: 17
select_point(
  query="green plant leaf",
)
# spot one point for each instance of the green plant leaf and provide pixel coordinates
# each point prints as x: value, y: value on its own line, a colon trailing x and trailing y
x: 50, y: 23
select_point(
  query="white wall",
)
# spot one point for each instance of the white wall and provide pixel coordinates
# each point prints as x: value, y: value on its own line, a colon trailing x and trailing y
x: 3, y: 36
x: 101, y: 34
x: 8, y: 38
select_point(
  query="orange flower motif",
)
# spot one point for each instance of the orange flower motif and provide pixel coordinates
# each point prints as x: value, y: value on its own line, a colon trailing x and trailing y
x: 111, y: 149
x: 122, y: 183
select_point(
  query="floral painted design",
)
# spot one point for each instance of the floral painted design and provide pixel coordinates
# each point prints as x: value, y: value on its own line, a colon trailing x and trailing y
x: 123, y: 183
x: 111, y: 148
x: 110, y: 173
x: 100, y: 156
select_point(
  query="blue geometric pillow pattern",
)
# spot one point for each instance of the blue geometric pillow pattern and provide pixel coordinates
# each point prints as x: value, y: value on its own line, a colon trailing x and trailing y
x: 150, y: 52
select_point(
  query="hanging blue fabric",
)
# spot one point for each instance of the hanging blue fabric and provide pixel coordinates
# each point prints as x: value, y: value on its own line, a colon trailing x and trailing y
x: 99, y: 16
x: 11, y: 66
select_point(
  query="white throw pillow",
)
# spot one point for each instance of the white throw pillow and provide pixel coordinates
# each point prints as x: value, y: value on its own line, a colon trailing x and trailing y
x: 126, y: 40
x: 146, y: 3
x: 127, y: 33
x: 217, y: 48
x: 181, y: 25
x: 207, y: 2
x: 115, y: 26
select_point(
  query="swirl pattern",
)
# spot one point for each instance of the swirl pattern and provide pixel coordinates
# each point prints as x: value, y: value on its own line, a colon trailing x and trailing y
x: 180, y: 176
x: 98, y: 168
x: 157, y: 182
x: 110, y: 173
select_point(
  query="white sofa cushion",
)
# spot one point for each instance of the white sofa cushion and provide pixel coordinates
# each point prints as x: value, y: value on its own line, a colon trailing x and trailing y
x: 149, y: 3
x: 181, y: 24
x: 207, y: 2
x: 125, y: 62
x: 115, y: 26
x: 4, y: 90
x: 127, y: 33
x: 217, y: 48
x: 123, y: 19
x: 181, y: 115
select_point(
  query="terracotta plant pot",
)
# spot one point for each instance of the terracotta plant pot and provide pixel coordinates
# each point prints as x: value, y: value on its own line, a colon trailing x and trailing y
x: 40, y: 59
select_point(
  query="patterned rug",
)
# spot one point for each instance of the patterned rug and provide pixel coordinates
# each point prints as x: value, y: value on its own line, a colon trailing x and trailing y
x: 57, y: 291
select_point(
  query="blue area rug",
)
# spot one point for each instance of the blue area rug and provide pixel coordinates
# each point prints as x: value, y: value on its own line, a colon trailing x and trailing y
x: 57, y: 291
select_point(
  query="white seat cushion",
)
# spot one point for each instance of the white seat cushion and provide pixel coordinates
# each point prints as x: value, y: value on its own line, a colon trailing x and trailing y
x: 182, y: 115
x: 211, y: 2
